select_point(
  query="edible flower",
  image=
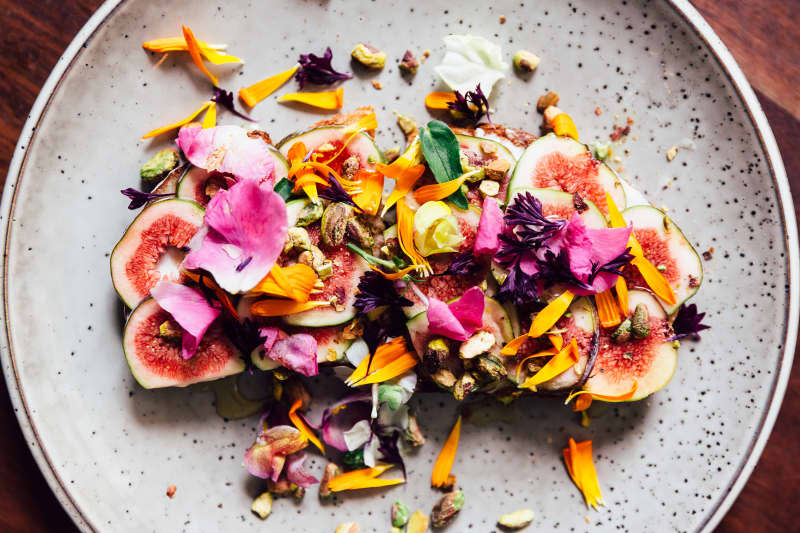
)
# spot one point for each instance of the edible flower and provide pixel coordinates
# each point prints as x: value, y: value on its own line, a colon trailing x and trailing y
x: 438, y: 191
x: 547, y: 317
x: 321, y: 100
x: 189, y: 308
x: 296, y: 473
x: 284, y: 307
x: 457, y: 320
x: 563, y: 125
x: 340, y: 417
x: 370, y: 185
x: 194, y: 50
x: 436, y: 230
x: 204, y: 280
x: 225, y: 99
x: 258, y: 91
x: 607, y: 310
x: 176, y: 125
x: 490, y: 227
x: 139, y: 198
x: 439, y: 100
x: 229, y: 150
x: 336, y: 193
x: 363, y: 478
x: 404, y: 172
x: 389, y: 361
x: 377, y: 290
x: 471, y: 106
x: 578, y: 459
x: 210, y: 118
x: 557, y: 365
x: 461, y: 264
x: 296, y: 352
x: 604, y: 397
x: 301, y: 426
x: 212, y: 52
x: 688, y: 322
x: 405, y: 236
x: 444, y: 462
x: 242, y: 236
x: 621, y: 287
x: 469, y: 61
x: 318, y: 69
x: 651, y: 275
x: 266, y: 457
x: 544, y: 353
x: 294, y: 281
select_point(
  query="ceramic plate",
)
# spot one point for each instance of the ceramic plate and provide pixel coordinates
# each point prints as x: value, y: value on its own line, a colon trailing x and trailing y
x: 674, y: 462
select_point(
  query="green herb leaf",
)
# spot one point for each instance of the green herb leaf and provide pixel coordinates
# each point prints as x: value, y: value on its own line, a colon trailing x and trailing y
x: 440, y: 149
x: 284, y: 188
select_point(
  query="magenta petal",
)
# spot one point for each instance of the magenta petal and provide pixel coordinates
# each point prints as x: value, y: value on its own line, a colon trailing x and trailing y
x: 229, y: 149
x: 608, y: 243
x: 246, y: 230
x: 468, y: 310
x: 490, y: 227
x: 187, y: 134
x: 579, y: 248
x: 189, y: 308
x: 442, y: 321
x: 295, y: 472
x: 297, y: 352
x: 270, y: 335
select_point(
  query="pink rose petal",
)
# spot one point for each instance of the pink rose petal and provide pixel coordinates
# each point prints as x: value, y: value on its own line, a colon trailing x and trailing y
x: 490, y: 227
x: 229, y: 149
x: 460, y: 319
x: 297, y: 352
x: 442, y: 321
x: 245, y: 231
x: 187, y: 134
x: 266, y: 457
x: 189, y: 308
x: 587, y: 247
x: 270, y: 335
x: 295, y: 472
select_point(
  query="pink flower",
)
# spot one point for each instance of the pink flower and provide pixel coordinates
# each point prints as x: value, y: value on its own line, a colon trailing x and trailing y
x: 460, y: 319
x: 189, y: 308
x: 244, y: 231
x: 587, y: 248
x: 295, y: 472
x: 296, y: 352
x: 490, y: 226
x: 266, y: 457
x: 228, y: 149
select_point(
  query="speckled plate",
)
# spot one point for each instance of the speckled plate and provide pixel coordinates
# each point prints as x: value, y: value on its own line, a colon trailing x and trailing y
x: 674, y: 462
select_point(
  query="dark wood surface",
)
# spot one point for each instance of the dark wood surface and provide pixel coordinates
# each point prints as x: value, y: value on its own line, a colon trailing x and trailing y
x: 760, y: 34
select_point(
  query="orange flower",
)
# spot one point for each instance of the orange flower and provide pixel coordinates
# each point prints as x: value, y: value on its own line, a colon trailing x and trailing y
x: 578, y: 459
x: 322, y: 100
x: 283, y: 307
x: 294, y: 281
x: 558, y: 364
x: 371, y: 190
x: 404, y: 173
x: 176, y: 125
x: 547, y: 317
x: 405, y: 236
x: 389, y: 361
x: 444, y: 462
x: 194, y: 51
x: 438, y: 191
x: 212, y: 52
x: 439, y: 100
x: 301, y: 425
x: 258, y: 91
x: 607, y: 309
x: 362, y: 479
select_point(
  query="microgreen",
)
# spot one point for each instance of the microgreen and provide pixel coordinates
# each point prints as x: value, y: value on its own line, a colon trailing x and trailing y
x: 225, y: 99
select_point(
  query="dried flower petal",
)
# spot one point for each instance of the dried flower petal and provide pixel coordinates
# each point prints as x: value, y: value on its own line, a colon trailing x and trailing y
x: 301, y: 426
x: 225, y: 99
x: 295, y: 472
x: 139, y: 198
x: 194, y: 50
x: 458, y: 320
x: 265, y: 459
x: 688, y: 322
x: 189, y: 308
x: 176, y: 125
x: 557, y: 365
x: 374, y: 291
x: 228, y: 150
x: 322, y: 99
x: 578, y: 459
x: 296, y: 352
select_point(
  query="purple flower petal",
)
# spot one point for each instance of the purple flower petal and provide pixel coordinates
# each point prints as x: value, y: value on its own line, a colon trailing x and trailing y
x: 356, y: 408
x: 189, y: 308
x: 228, y: 149
x: 297, y: 352
x: 245, y: 221
x: 490, y: 227
x: 295, y: 472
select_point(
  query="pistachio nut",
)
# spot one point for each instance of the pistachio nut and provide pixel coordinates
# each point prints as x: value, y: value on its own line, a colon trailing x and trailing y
x: 525, y: 61
x: 399, y: 514
x: 408, y: 125
x: 447, y: 508
x: 350, y: 167
x: 309, y: 214
x: 262, y: 506
x: 296, y: 239
x: 623, y: 332
x: 330, y: 472
x: 159, y: 165
x: 347, y: 527
x: 444, y: 378
x: 516, y: 519
x: 464, y: 386
x: 436, y: 353
x: 368, y: 56
x: 640, y: 323
x: 334, y: 223
x: 496, y: 169
x: 359, y: 233
x: 546, y: 100
x: 412, y: 433
x: 481, y: 342
x: 409, y: 64
x: 489, y: 188
x: 490, y: 367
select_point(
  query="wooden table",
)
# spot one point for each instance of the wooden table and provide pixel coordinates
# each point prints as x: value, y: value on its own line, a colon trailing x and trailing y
x: 759, y: 33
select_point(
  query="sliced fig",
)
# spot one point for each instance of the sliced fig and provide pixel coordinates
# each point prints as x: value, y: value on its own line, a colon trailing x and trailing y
x: 449, y: 287
x: 151, y: 249
x: 649, y: 362
x: 562, y: 163
x: 155, y: 360
x: 668, y: 249
x: 496, y: 160
x: 332, y: 138
x: 579, y: 323
x: 169, y: 185
x: 560, y: 204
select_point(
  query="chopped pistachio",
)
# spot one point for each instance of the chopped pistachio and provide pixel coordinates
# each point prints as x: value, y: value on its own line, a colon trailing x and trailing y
x: 279, y: 488
x: 464, y: 386
x: 546, y: 100
x: 446, y: 508
x: 330, y: 472
x: 310, y: 213
x: 371, y: 159
x: 262, y: 506
x: 409, y: 64
x: 517, y: 519
x: 360, y: 234
x: 412, y: 433
x: 368, y: 56
x: 444, y: 378
x: 491, y: 367
x: 661, y: 268
x: 170, y: 330
x: 399, y: 514
x: 298, y: 493
x: 525, y: 61
x: 408, y: 125
x: 496, y: 170
x: 489, y: 188
x: 395, y: 530
x: 417, y: 523
x: 325, y: 270
x: 436, y: 352
x: 327, y: 147
x: 159, y: 165
x: 672, y: 153
x: 623, y: 332
x: 297, y: 239
x: 350, y: 166
x: 347, y: 527
x: 487, y: 147
x: 640, y: 323
x: 481, y: 342
x: 334, y: 223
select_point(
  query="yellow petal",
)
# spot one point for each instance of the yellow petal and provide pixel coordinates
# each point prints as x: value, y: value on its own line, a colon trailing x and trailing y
x: 194, y: 51
x: 371, y: 185
x: 217, y: 58
x: 622, y: 293
x: 210, y: 118
x: 607, y: 309
x: 547, y: 317
x: 405, y: 235
x: 384, y: 354
x: 514, y: 345
x: 212, y: 52
x: 606, y: 397
x: 362, y: 478
x: 366, y: 123
x: 617, y: 221
x: 563, y: 125
x: 294, y: 281
x: 558, y: 364
x: 398, y: 366
x: 258, y: 91
x: 444, y: 462
x: 322, y: 100
x: 654, y: 279
x: 439, y: 100
x: 583, y: 402
x: 578, y: 459
x: 556, y: 340
x: 176, y: 125
x: 284, y: 307
x: 301, y: 425
x: 543, y: 353
x: 394, y: 275
x: 438, y: 191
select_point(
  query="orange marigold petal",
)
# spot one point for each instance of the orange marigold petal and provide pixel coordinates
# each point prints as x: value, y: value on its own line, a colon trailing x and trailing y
x: 176, y: 125
x: 321, y: 100
x: 210, y: 118
x: 563, y: 125
x: 438, y: 191
x: 558, y: 364
x: 606, y: 397
x: 371, y: 184
x: 394, y: 275
x: 402, y: 364
x: 362, y: 478
x: 284, y: 307
x: 439, y: 100
x: 262, y: 89
x: 578, y: 459
x: 384, y: 354
x: 194, y: 51
x: 654, y: 279
x: 514, y: 345
x: 302, y: 426
x: 547, y: 317
x: 622, y: 293
x: 444, y: 462
x: 607, y: 309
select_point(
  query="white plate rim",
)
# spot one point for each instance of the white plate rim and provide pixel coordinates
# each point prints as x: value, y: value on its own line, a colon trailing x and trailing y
x: 682, y: 7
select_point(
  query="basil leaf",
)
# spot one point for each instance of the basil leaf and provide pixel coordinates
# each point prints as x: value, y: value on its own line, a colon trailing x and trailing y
x: 440, y: 149
x: 284, y: 188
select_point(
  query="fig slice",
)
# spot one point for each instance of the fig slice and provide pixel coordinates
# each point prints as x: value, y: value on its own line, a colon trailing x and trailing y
x: 151, y: 249
x: 648, y: 363
x: 155, y: 359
